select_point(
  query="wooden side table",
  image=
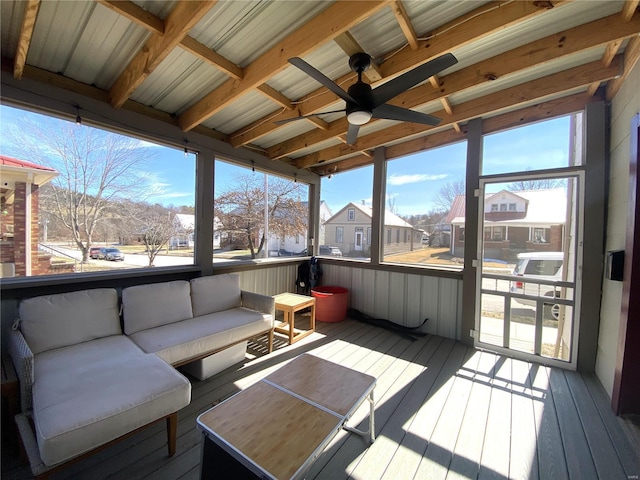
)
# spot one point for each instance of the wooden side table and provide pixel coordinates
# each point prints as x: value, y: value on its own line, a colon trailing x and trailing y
x: 290, y: 303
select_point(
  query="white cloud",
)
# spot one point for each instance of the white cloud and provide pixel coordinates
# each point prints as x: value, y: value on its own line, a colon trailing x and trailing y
x: 415, y: 178
x: 174, y: 195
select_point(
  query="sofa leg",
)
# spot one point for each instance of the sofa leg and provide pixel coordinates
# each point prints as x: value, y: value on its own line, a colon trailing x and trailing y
x: 172, y: 430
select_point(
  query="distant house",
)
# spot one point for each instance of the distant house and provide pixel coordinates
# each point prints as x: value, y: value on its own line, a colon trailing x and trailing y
x: 520, y: 221
x: 350, y: 230
x: 184, y: 236
x: 298, y: 243
x: 19, y: 194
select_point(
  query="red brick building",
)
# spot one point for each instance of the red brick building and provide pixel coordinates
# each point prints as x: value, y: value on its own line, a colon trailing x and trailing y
x: 515, y: 222
x: 19, y: 229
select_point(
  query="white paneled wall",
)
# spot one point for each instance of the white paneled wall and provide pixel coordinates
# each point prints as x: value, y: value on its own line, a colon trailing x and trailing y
x: 270, y: 281
x: 406, y: 299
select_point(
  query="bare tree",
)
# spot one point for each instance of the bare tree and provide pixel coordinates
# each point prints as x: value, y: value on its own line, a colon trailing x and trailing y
x: 240, y: 209
x: 96, y: 168
x: 538, y: 184
x: 447, y: 194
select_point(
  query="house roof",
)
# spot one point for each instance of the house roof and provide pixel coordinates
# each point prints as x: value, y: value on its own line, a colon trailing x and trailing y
x: 220, y: 69
x: 390, y: 219
x: 16, y: 170
x: 544, y: 207
x: 14, y: 162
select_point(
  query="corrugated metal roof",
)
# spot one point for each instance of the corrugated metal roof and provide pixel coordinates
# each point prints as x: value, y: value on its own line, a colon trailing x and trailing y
x: 92, y: 44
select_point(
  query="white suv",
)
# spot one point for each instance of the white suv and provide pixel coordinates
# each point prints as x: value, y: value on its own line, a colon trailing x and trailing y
x: 538, y: 266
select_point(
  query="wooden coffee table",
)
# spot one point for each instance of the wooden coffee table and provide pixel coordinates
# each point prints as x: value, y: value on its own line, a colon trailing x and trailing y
x: 277, y: 427
x: 290, y: 303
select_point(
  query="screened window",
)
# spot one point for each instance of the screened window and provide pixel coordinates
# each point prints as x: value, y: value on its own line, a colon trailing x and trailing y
x: 343, y: 195
x: 133, y: 201
x: 425, y: 196
x: 244, y: 199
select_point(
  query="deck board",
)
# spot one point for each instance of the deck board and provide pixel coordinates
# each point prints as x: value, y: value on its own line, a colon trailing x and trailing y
x: 443, y: 410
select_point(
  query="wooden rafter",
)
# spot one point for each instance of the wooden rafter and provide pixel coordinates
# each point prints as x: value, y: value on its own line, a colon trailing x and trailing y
x: 476, y: 25
x: 479, y: 23
x: 275, y: 95
x: 155, y: 25
x: 136, y: 14
x: 405, y: 24
x: 176, y: 27
x: 210, y: 56
x: 336, y: 19
x: 532, y: 91
x: 629, y: 8
x: 612, y: 49
x: 24, y: 40
x: 572, y: 41
x: 349, y: 45
x: 631, y: 56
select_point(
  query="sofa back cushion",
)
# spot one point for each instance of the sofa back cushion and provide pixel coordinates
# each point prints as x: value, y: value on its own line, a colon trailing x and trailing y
x: 215, y: 293
x: 148, y: 306
x: 54, y: 321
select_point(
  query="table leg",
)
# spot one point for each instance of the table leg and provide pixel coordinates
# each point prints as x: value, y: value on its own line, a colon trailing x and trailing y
x: 313, y: 317
x: 371, y: 432
x: 292, y: 317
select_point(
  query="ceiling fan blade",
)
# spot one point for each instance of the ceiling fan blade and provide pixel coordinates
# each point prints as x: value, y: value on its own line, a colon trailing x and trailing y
x: 321, y: 78
x: 293, y: 119
x: 410, y: 79
x: 352, y: 134
x: 391, y: 112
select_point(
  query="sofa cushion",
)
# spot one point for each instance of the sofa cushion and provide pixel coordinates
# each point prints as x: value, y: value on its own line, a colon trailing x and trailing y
x: 148, y: 306
x: 215, y: 293
x: 88, y: 394
x: 54, y: 321
x: 179, y: 342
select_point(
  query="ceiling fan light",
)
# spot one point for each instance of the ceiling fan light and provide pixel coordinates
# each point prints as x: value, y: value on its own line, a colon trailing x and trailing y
x: 359, y: 117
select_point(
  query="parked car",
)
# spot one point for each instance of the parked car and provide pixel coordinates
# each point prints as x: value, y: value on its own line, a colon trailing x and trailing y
x: 109, y: 253
x: 538, y: 266
x: 331, y: 251
x: 94, y: 252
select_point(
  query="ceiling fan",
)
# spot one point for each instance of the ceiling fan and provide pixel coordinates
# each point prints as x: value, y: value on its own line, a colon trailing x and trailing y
x: 364, y: 103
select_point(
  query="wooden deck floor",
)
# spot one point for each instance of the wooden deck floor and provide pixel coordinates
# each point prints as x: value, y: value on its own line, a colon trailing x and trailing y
x: 442, y: 411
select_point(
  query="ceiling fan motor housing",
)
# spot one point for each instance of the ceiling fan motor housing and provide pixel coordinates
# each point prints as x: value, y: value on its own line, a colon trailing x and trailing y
x: 361, y: 92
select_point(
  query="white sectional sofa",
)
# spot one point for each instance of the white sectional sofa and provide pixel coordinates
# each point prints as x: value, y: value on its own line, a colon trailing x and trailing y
x: 85, y: 381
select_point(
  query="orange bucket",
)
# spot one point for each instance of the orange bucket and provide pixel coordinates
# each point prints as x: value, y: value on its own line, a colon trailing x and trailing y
x: 331, y: 303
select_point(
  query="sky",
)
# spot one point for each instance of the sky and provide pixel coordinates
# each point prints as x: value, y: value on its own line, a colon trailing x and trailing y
x: 412, y: 182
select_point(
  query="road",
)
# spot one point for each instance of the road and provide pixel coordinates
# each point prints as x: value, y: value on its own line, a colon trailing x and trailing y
x: 131, y: 260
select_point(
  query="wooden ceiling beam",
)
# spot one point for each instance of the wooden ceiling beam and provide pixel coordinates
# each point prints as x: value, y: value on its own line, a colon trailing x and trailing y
x: 176, y: 27
x: 631, y: 56
x: 349, y: 45
x: 541, y: 111
x: 478, y: 23
x: 326, y: 26
x: 136, y: 14
x: 210, y: 56
x: 629, y: 8
x: 24, y: 39
x: 488, y: 105
x: 274, y: 95
x: 405, y: 24
x: 155, y: 25
x: 58, y: 81
x: 574, y: 40
x: 612, y: 49
x: 318, y: 122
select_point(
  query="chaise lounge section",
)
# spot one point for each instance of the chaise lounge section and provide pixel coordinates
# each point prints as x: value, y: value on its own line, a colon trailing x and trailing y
x: 85, y: 381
